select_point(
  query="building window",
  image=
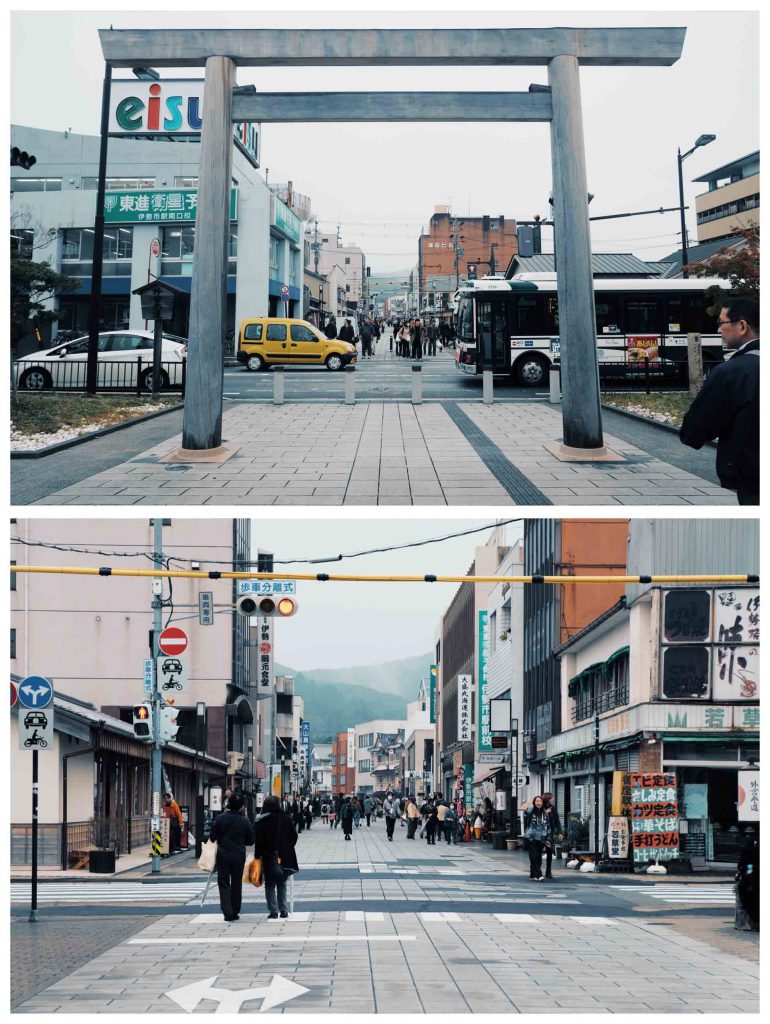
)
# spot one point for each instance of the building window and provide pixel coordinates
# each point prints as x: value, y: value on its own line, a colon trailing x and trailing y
x: 13, y: 643
x: 13, y: 576
x: 343, y: 759
x: 22, y: 240
x: 117, y: 184
x: 78, y: 246
x: 334, y: 780
x: 186, y: 181
x: 35, y: 184
x: 274, y: 256
x: 347, y: 261
x: 342, y: 780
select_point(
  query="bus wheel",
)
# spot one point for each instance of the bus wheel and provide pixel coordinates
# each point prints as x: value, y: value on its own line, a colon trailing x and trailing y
x: 531, y: 371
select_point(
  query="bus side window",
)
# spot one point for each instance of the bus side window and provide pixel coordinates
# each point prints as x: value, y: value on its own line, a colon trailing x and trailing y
x: 642, y: 315
x: 526, y: 319
x: 608, y: 314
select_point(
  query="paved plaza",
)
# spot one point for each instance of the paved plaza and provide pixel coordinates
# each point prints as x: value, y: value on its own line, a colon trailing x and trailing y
x: 454, y: 453
x: 403, y: 927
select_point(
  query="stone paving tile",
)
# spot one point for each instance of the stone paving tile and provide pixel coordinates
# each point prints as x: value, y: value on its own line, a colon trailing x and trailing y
x: 391, y: 444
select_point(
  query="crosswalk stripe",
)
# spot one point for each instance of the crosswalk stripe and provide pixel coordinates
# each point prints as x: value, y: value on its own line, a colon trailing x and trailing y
x: 516, y: 918
x: 364, y: 915
x: 439, y: 916
x: 592, y: 920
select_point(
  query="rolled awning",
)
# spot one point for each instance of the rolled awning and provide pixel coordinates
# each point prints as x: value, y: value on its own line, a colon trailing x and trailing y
x: 489, y: 774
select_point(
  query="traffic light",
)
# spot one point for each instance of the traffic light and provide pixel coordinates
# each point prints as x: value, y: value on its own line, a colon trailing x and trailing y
x: 473, y: 271
x: 142, y: 718
x: 282, y: 607
x: 169, y: 726
x: 21, y: 159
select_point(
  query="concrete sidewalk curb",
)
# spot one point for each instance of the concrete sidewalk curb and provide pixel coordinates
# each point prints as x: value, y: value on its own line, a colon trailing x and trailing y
x: 650, y: 422
x: 93, y: 435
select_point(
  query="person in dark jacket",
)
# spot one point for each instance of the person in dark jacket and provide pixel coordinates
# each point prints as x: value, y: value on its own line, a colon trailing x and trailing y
x: 537, y: 831
x: 346, y: 817
x: 556, y: 832
x: 331, y: 329
x: 232, y: 832
x: 274, y: 840
x: 346, y: 333
x: 367, y: 336
x: 431, y: 824
x: 727, y: 406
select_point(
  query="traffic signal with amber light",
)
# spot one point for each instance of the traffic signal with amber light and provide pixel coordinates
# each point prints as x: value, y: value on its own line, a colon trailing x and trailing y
x: 267, y: 607
x: 143, y: 721
x: 21, y: 159
x: 473, y: 271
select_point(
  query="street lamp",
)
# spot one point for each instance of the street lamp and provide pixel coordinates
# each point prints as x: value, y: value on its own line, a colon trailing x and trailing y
x: 200, y: 743
x: 702, y: 140
x: 146, y: 74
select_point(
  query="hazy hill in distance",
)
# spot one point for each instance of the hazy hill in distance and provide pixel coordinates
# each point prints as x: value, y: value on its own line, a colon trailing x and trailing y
x: 338, y: 698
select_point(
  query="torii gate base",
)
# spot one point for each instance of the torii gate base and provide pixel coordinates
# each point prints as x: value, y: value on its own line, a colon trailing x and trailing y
x: 566, y: 453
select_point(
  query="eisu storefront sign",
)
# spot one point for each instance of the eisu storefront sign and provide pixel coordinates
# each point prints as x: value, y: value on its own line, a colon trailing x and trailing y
x: 157, y: 206
x: 170, y: 107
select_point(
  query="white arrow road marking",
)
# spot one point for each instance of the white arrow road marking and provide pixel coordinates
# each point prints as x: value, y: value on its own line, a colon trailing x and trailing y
x: 280, y: 990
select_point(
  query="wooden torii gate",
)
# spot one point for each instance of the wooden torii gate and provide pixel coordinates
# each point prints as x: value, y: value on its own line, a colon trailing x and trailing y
x: 561, y: 50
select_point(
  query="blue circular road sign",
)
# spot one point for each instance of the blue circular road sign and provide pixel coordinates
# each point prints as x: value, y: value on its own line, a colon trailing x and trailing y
x: 35, y: 692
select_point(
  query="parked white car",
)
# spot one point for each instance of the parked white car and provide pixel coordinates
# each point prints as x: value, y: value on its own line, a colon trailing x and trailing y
x: 123, y: 355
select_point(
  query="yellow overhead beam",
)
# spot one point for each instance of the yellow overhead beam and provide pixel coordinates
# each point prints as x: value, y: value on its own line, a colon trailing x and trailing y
x: 342, y: 578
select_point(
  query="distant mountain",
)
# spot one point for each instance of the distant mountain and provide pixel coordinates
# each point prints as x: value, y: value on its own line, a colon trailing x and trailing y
x: 336, y: 699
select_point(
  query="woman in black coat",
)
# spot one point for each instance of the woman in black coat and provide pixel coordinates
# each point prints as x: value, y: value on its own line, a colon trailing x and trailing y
x: 275, y: 839
x: 232, y: 832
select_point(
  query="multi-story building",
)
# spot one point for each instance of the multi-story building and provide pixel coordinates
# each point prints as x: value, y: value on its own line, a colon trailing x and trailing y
x: 89, y: 635
x: 419, y: 744
x: 666, y: 680
x: 343, y: 266
x: 343, y: 762
x: 732, y: 200
x: 150, y: 228
x: 376, y: 761
x: 321, y: 768
x: 555, y: 547
x: 500, y: 676
x: 453, y: 247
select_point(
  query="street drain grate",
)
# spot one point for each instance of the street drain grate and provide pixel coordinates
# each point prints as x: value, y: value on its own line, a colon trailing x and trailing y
x: 520, y: 487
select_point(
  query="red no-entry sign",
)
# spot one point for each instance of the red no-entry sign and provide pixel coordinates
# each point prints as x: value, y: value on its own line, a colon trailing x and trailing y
x: 173, y: 640
x: 14, y: 693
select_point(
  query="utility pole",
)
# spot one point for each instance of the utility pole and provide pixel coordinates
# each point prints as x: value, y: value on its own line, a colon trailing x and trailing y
x: 157, y: 626
x: 596, y: 782
x: 316, y: 248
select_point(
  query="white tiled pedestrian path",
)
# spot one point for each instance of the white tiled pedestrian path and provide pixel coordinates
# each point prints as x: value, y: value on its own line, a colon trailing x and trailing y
x: 393, y: 454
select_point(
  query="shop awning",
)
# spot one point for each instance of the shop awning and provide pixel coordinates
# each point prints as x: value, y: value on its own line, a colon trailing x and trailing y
x: 490, y: 773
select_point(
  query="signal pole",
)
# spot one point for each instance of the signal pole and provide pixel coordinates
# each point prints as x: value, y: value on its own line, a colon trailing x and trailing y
x: 157, y: 626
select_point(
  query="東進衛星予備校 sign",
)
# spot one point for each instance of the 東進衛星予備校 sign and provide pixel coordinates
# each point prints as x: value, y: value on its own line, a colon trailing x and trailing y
x: 157, y: 206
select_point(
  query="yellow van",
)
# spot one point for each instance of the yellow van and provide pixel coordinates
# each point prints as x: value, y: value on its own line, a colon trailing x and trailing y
x: 268, y: 341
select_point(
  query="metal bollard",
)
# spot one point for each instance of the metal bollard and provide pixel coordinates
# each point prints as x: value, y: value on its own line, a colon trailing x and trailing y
x: 417, y: 384
x: 278, y: 385
x: 350, y: 389
x: 488, y: 385
x: 554, y: 383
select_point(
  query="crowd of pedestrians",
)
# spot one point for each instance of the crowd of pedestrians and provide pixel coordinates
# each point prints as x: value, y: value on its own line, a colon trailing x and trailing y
x: 416, y: 338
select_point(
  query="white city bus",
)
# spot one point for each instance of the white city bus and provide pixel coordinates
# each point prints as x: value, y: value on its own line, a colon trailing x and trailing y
x: 512, y: 326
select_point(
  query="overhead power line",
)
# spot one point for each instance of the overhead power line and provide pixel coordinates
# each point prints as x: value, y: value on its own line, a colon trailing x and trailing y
x: 85, y: 549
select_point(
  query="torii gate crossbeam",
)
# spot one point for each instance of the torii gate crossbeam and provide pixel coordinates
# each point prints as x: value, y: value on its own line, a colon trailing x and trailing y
x: 561, y: 50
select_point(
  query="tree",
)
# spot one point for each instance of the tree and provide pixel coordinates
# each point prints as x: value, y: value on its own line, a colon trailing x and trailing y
x: 32, y: 284
x: 739, y: 265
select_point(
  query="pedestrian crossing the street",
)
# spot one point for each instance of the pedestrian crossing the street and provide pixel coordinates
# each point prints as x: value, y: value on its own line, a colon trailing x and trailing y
x: 720, y: 895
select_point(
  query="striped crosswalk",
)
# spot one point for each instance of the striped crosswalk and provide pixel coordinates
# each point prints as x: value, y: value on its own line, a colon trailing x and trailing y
x: 109, y: 892
x: 673, y: 893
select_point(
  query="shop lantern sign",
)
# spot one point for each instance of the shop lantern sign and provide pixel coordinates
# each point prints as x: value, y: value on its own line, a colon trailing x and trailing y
x: 710, y: 644
x: 654, y: 816
x: 485, y: 730
x: 617, y: 838
x: 463, y: 709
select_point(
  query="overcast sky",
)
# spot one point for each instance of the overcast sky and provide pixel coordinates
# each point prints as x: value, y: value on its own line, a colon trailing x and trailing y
x: 381, y: 182
x: 341, y: 624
